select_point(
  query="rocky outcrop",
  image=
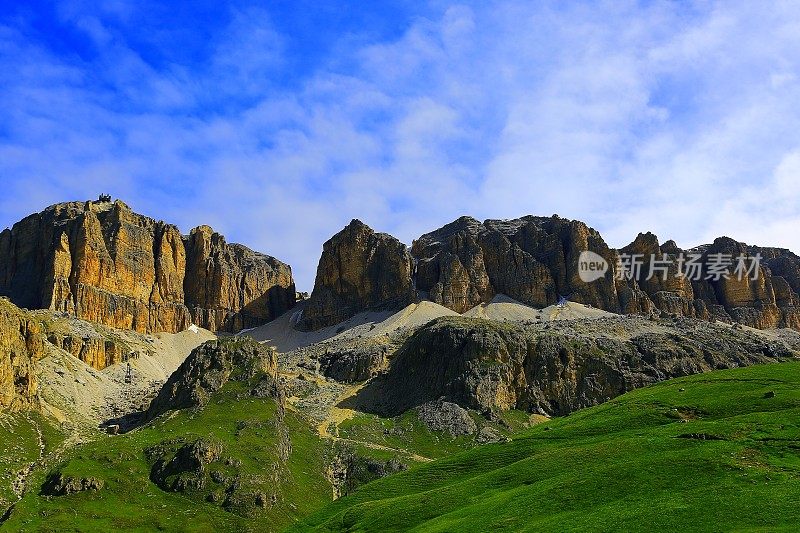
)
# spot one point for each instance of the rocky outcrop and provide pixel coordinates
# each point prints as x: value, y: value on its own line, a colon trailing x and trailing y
x: 26, y: 337
x: 211, y: 470
x: 208, y: 470
x: 348, y: 470
x: 355, y: 363
x: 180, y: 466
x: 213, y: 364
x: 102, y: 262
x: 60, y: 485
x: 21, y: 345
x: 555, y: 369
x: 95, y: 352
x: 93, y: 349
x: 359, y: 270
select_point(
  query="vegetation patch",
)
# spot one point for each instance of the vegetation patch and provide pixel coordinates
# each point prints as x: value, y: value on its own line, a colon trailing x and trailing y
x: 623, y: 465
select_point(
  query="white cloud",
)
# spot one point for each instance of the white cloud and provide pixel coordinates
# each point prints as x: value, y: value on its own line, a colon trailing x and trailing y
x: 631, y: 116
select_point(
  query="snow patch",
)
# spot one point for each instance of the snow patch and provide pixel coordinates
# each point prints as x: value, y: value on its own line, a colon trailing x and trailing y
x: 295, y: 318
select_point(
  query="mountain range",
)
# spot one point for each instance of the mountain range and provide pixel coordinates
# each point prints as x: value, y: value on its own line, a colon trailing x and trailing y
x: 134, y: 355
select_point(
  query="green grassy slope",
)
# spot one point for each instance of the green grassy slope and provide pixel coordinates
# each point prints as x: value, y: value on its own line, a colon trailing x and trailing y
x: 20, y: 446
x: 407, y: 433
x: 707, y: 452
x: 245, y: 428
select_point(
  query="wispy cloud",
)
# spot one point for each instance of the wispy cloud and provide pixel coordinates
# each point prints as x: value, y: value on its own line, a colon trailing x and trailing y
x: 632, y: 116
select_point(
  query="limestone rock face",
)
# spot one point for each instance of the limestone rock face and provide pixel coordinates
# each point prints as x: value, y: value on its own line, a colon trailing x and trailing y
x: 554, y: 369
x: 95, y: 351
x: 21, y: 345
x: 535, y: 260
x: 532, y: 259
x: 768, y: 301
x: 230, y: 287
x: 102, y: 262
x: 359, y: 269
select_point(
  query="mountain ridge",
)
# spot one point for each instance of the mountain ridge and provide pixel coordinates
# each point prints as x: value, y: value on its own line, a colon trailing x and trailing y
x: 534, y: 260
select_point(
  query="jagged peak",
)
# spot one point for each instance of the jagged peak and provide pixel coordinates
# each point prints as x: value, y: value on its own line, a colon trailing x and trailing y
x: 357, y: 227
x: 358, y: 224
x: 646, y: 243
x: 670, y: 247
x: 463, y: 223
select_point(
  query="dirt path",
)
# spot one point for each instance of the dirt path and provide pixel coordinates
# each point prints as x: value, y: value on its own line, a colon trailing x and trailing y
x: 337, y: 415
x: 20, y: 483
x: 372, y: 445
x: 329, y: 427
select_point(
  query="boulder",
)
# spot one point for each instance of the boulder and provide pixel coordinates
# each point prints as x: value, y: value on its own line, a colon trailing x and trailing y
x: 353, y: 364
x: 448, y: 417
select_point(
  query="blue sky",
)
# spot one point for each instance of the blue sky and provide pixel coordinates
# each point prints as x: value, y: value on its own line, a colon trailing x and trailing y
x: 278, y: 122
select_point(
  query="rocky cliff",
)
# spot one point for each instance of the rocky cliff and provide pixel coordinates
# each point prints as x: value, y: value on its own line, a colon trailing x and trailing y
x: 535, y: 260
x: 100, y: 261
x: 95, y: 351
x: 532, y: 259
x: 359, y: 269
x: 555, y: 369
x: 767, y: 300
x: 28, y: 336
x: 21, y: 345
x: 96, y: 345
